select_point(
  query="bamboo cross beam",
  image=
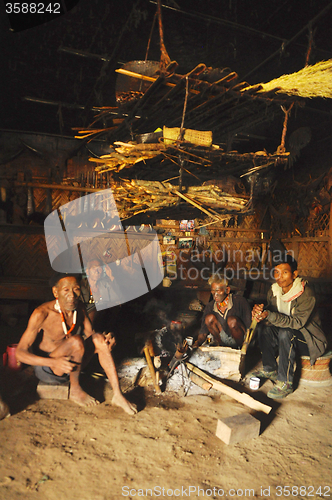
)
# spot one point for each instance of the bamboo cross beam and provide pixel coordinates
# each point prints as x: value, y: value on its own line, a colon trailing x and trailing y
x: 63, y: 187
x: 146, y: 78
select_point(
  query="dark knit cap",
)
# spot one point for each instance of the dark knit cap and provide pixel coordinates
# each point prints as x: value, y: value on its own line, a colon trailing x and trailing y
x: 54, y: 280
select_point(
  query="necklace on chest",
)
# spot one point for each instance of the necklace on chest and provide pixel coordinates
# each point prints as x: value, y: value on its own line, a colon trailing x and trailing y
x: 222, y: 306
x: 64, y: 325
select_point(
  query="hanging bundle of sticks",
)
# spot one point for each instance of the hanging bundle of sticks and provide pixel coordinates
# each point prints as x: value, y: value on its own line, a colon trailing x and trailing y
x: 139, y: 196
x: 129, y: 154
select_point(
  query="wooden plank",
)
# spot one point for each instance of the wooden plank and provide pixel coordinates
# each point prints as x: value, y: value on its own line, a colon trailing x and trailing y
x: 200, y: 381
x: 304, y: 239
x: 62, y: 187
x: 225, y: 389
x: 223, y: 229
x: 48, y: 391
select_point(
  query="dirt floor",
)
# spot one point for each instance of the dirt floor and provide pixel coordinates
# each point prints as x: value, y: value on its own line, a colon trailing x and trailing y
x: 56, y: 450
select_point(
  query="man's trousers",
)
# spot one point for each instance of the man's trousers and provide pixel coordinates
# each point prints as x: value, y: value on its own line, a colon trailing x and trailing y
x: 283, y: 341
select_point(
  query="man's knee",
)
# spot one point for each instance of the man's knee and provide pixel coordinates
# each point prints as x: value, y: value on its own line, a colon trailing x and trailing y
x: 76, y: 344
x: 267, y: 332
x: 98, y: 340
x: 284, y: 335
x: 233, y: 322
x: 209, y: 319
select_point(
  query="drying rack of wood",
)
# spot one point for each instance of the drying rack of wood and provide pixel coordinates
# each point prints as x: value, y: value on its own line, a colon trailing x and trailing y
x: 205, y: 99
x: 199, y: 161
x: 133, y: 197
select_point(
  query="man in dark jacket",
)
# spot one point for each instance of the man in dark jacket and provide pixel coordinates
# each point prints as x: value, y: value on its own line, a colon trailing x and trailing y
x: 290, y: 323
x: 226, y: 317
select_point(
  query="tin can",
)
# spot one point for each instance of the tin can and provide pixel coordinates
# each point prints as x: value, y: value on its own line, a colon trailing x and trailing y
x: 254, y: 383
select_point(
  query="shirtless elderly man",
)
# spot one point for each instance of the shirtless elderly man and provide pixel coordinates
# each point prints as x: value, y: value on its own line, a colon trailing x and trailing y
x: 226, y: 317
x: 68, y: 342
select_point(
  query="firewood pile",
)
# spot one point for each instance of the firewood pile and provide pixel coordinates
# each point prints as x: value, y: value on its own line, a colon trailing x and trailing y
x: 127, y: 155
x: 138, y: 196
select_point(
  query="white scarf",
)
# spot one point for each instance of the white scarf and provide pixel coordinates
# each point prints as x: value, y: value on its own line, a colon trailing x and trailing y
x: 284, y: 299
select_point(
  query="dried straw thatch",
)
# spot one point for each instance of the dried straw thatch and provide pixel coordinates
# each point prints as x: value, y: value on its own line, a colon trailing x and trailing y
x: 311, y: 81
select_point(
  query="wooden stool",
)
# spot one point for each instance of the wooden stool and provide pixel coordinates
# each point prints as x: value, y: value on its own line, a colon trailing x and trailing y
x: 319, y: 374
x: 49, y: 391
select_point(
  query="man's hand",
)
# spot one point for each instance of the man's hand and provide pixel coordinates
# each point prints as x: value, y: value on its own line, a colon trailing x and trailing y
x: 109, y: 339
x: 258, y: 314
x: 62, y: 365
x: 108, y: 272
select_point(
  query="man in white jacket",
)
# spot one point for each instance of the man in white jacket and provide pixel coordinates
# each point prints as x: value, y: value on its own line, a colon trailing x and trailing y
x: 290, y: 324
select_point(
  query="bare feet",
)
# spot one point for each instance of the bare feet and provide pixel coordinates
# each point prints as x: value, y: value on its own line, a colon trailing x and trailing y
x: 122, y: 402
x: 81, y: 398
x: 4, y: 410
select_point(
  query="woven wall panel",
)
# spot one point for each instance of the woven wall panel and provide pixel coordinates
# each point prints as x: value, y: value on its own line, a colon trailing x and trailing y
x: 312, y: 257
x: 251, y: 221
x: 39, y: 200
x: 239, y: 255
x: 24, y: 255
x: 109, y: 249
x: 104, y: 249
x: 60, y: 197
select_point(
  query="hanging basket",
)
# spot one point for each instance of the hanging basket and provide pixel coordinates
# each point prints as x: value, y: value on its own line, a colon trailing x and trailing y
x: 197, y: 137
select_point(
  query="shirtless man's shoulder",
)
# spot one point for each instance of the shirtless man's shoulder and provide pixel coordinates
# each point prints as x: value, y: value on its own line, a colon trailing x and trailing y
x: 45, y: 317
x: 47, y: 311
x: 43, y: 312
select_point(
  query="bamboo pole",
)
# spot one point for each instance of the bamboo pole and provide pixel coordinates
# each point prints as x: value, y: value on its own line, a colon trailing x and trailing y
x: 148, y: 78
x: 63, y: 187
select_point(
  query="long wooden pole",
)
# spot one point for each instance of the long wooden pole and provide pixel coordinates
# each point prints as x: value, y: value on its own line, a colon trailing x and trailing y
x: 225, y: 389
x: 148, y: 78
x: 63, y: 187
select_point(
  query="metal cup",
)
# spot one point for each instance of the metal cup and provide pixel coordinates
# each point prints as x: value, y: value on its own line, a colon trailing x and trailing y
x: 254, y: 383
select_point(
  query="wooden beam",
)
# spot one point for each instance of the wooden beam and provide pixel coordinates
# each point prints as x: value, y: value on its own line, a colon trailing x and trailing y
x: 148, y: 78
x: 63, y: 187
x: 229, y: 391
